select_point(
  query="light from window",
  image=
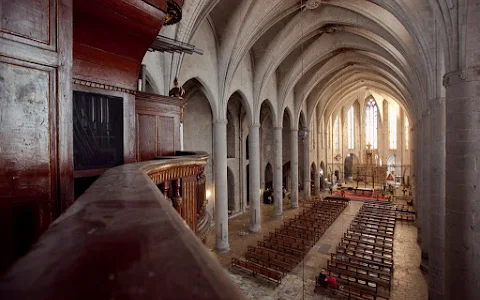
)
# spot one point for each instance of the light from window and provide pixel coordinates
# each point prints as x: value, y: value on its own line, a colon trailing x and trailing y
x: 371, y: 123
x: 336, y: 134
x: 351, y: 129
x: 392, y: 118
x: 407, y: 129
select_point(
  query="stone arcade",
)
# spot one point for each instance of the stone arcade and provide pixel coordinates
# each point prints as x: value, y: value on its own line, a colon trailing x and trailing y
x: 102, y: 155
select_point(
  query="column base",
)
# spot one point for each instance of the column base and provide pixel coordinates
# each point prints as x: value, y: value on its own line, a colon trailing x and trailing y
x: 294, y: 205
x: 222, y: 249
x: 279, y: 217
x: 255, y: 228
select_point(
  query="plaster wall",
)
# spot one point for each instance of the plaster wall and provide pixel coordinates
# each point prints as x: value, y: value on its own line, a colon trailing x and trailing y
x: 198, y: 136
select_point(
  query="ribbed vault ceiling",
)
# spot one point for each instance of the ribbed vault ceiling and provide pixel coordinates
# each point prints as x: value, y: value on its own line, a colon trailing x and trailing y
x: 326, y: 55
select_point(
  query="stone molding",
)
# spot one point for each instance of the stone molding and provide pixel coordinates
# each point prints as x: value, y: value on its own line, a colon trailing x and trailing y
x: 220, y: 121
x: 254, y: 125
x: 459, y: 76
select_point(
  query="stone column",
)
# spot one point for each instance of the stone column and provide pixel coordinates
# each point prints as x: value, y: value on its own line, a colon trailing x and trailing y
x: 306, y: 169
x: 418, y: 178
x: 425, y: 186
x: 436, y: 259
x: 221, y: 185
x: 254, y: 173
x: 277, y: 172
x: 294, y: 167
x: 462, y: 205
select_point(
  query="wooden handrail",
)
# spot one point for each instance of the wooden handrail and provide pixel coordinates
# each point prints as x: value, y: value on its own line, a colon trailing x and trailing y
x: 122, y: 239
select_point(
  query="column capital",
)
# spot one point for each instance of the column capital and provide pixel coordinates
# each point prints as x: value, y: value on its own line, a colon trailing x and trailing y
x: 462, y: 75
x: 220, y: 121
x: 294, y: 130
x: 254, y: 125
x: 278, y: 127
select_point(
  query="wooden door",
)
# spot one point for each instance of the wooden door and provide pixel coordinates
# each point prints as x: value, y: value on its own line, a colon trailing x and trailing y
x: 35, y: 120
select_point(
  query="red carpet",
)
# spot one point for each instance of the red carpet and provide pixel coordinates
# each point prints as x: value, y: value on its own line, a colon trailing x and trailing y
x: 358, y: 196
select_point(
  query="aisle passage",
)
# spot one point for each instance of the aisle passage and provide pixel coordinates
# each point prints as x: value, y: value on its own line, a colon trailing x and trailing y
x: 408, y: 281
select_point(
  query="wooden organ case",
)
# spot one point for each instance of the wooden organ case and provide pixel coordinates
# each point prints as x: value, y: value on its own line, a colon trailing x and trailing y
x: 158, y: 125
x: 49, y: 51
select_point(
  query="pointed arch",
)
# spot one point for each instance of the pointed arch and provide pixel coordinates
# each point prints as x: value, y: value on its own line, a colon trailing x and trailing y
x: 195, y: 84
x: 243, y: 100
x: 268, y: 103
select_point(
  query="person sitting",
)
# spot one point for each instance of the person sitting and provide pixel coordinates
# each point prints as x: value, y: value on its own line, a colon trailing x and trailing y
x: 331, y: 281
x: 322, y: 279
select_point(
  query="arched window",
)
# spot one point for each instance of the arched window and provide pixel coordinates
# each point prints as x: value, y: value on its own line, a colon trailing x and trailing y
x: 407, y: 129
x: 351, y: 129
x: 336, y: 135
x: 392, y: 118
x: 371, y: 123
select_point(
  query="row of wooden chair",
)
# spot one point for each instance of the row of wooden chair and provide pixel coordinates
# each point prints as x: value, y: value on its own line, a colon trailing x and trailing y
x: 401, y: 212
x: 363, y: 262
x: 282, y: 250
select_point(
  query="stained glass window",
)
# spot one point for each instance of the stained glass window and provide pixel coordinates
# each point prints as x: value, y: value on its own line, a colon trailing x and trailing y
x: 336, y: 134
x: 392, y: 118
x: 407, y: 129
x: 371, y: 123
x: 351, y: 128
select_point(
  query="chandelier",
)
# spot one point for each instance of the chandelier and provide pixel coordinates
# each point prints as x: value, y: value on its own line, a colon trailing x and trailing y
x: 303, y: 133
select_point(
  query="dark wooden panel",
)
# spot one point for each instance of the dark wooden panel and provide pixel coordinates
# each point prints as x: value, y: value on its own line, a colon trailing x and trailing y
x: 111, y: 38
x: 32, y: 21
x: 28, y: 165
x: 166, y: 135
x: 147, y: 136
x: 35, y: 118
x: 168, y: 111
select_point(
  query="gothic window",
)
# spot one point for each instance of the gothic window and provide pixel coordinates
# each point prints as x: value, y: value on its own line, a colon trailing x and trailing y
x: 371, y: 123
x: 392, y: 118
x: 351, y: 129
x: 336, y: 135
x: 407, y: 129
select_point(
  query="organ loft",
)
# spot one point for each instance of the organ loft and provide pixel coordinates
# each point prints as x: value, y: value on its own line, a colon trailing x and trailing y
x: 234, y: 149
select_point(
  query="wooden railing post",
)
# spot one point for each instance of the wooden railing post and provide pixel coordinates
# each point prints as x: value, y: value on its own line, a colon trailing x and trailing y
x: 177, y: 197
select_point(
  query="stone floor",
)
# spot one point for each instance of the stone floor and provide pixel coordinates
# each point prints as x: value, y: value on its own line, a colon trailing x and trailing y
x: 408, y: 282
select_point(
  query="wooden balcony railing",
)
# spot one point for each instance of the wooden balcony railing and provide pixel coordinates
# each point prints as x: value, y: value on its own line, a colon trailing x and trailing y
x: 184, y: 184
x: 123, y: 239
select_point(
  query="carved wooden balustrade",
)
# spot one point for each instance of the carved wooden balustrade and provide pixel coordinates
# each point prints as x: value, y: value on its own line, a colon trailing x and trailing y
x: 184, y: 184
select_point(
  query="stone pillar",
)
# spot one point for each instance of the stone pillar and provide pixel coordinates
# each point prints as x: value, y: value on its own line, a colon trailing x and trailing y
x: 221, y: 185
x: 317, y: 181
x: 462, y: 205
x: 425, y: 186
x: 277, y: 172
x: 254, y: 173
x: 294, y: 167
x: 306, y: 169
x: 436, y: 257
x: 418, y: 178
